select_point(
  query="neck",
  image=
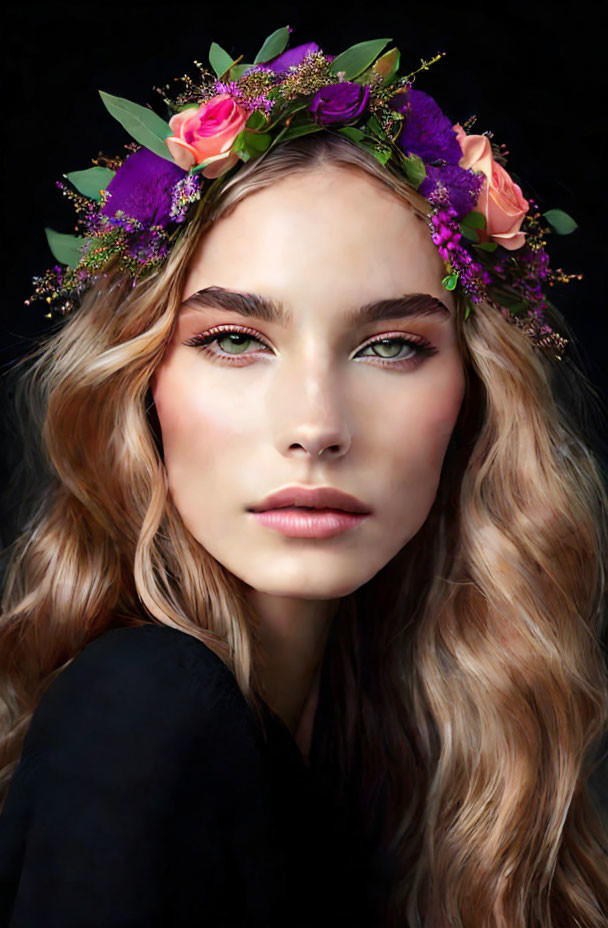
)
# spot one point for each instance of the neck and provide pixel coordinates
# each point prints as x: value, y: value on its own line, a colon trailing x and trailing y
x: 293, y: 636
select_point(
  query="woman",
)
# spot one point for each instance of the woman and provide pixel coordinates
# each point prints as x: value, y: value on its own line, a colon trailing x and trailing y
x: 213, y: 710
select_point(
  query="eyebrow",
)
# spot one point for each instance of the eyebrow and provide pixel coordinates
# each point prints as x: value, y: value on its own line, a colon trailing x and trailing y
x: 259, y: 307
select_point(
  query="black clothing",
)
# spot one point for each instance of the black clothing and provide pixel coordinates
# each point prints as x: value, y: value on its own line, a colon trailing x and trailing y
x: 146, y: 795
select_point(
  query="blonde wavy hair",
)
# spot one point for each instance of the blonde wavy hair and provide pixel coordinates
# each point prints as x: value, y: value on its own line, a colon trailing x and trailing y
x: 468, y: 685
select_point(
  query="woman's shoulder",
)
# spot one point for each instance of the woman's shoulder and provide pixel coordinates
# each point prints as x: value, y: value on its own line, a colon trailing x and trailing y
x: 158, y: 658
x: 147, y: 650
x: 136, y: 686
x: 141, y: 758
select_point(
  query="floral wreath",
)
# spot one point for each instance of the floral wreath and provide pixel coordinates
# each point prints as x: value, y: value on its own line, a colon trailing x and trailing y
x: 131, y: 209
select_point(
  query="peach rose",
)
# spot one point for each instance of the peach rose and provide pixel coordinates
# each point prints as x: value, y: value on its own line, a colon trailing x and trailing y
x: 206, y: 133
x: 501, y: 200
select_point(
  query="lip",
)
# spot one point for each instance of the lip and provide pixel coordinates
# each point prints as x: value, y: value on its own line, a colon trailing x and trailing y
x: 326, y: 498
x: 303, y: 523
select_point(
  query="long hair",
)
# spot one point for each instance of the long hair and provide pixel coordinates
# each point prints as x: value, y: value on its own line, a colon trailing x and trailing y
x: 467, y: 680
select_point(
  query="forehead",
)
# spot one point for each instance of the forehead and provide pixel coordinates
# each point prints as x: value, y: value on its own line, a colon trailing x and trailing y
x: 323, y: 234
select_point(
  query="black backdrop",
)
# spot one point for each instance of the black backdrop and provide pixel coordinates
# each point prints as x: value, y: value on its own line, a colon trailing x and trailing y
x: 533, y: 76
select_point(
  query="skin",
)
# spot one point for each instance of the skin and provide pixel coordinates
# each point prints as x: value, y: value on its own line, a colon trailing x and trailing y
x: 299, y: 408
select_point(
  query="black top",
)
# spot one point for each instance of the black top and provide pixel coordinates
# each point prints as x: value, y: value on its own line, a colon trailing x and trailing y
x: 148, y: 795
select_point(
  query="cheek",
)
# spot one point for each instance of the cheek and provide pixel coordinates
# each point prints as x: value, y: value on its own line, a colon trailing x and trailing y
x: 424, y: 422
x: 200, y: 425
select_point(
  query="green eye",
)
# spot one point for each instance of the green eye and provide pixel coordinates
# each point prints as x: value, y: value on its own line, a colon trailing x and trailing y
x: 245, y: 339
x: 234, y: 343
x: 392, y: 347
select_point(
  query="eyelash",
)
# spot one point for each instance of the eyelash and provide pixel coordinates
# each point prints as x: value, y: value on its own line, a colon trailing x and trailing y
x: 423, y: 346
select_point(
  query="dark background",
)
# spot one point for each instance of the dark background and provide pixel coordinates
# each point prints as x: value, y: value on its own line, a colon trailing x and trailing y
x: 533, y: 76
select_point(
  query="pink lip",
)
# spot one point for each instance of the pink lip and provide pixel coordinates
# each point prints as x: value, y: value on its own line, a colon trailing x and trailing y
x: 315, y: 497
x: 303, y: 523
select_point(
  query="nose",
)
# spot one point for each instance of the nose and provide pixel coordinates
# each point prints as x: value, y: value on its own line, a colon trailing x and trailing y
x: 312, y: 414
x: 314, y: 443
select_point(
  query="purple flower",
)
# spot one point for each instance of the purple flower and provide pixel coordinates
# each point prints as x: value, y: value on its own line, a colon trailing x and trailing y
x: 142, y: 188
x: 293, y: 56
x: 339, y: 102
x: 461, y: 186
x: 426, y: 132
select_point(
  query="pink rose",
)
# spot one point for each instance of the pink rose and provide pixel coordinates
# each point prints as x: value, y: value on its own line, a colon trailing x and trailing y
x: 206, y: 134
x: 501, y: 200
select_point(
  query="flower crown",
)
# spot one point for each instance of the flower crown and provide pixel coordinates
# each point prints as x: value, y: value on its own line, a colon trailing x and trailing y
x: 131, y: 209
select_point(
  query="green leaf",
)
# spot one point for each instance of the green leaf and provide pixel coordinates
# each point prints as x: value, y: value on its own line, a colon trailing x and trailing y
x: 237, y: 69
x: 449, y: 282
x: 511, y: 300
x: 141, y: 123
x: 273, y: 45
x: 374, y: 125
x: 293, y: 132
x: 357, y: 58
x: 200, y: 167
x: 470, y: 233
x: 352, y: 132
x: 257, y: 120
x: 414, y: 169
x: 65, y: 248
x: 474, y: 220
x: 382, y: 155
x: 467, y: 310
x: 487, y: 246
x: 365, y: 143
x: 560, y: 221
x: 239, y: 142
x: 388, y: 65
x: 251, y: 143
x: 257, y: 142
x: 219, y: 60
x: 91, y: 181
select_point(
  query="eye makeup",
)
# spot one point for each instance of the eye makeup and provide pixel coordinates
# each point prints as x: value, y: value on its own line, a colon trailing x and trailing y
x: 421, y: 346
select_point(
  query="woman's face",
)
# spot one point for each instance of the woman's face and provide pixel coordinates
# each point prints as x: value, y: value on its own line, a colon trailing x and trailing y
x: 305, y: 400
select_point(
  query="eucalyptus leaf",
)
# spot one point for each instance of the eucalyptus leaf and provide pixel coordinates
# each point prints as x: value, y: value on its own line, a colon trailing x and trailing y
x: 388, y: 64
x: 365, y: 143
x: 90, y: 181
x: 256, y: 143
x: 475, y: 220
x: 239, y: 142
x: 141, y: 123
x: 352, y: 132
x: 382, y: 155
x: 273, y: 45
x: 237, y: 70
x: 357, y: 58
x: 512, y: 301
x: 257, y: 120
x: 449, y: 282
x: 67, y: 249
x: 515, y: 307
x: 219, y: 60
x: 374, y: 125
x: 560, y: 221
x: 250, y: 143
x: 414, y: 169
x: 470, y: 233
x: 293, y: 132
